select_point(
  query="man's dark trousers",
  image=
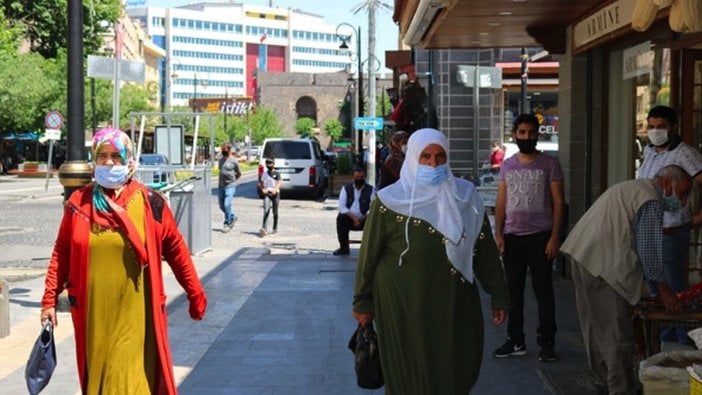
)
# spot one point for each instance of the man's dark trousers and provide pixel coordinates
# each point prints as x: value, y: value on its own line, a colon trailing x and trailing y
x: 522, y: 252
x: 344, y: 224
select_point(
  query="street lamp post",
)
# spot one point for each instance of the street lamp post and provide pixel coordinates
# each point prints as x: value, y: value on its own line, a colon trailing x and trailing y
x: 344, y: 45
x: 76, y: 171
x: 168, y: 79
x: 195, y: 93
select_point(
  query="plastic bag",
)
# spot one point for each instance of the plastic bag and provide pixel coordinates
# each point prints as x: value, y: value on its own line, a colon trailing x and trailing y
x: 42, y: 360
x: 364, y: 344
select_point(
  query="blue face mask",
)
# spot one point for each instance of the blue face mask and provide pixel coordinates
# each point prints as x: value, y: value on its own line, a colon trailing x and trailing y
x: 427, y: 175
x: 111, y: 177
x: 671, y: 203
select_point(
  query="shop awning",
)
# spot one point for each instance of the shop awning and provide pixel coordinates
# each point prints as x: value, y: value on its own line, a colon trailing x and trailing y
x: 19, y: 136
x: 489, y: 23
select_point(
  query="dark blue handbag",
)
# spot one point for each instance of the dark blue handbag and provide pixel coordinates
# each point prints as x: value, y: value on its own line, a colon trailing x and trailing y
x: 42, y: 360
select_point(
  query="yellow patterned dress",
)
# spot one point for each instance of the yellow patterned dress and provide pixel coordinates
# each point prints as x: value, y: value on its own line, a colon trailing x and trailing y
x: 120, y: 344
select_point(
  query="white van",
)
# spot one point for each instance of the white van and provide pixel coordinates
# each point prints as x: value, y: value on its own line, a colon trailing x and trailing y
x: 300, y: 162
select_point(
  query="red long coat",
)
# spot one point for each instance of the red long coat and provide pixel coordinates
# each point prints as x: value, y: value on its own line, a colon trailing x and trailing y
x: 68, y: 269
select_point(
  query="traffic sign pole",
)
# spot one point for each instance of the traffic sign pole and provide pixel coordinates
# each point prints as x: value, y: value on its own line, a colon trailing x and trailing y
x: 48, y: 165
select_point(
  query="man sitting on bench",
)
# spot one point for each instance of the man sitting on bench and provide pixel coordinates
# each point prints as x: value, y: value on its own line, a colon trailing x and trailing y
x: 354, y: 201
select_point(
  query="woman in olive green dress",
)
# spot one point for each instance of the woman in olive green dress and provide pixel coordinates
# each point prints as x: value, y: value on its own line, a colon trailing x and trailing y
x: 426, y: 239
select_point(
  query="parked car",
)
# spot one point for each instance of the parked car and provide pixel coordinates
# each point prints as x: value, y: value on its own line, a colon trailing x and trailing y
x: 301, y: 163
x: 254, y: 152
x: 157, y: 161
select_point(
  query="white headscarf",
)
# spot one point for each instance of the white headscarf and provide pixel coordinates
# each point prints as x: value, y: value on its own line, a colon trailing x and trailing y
x: 453, y: 207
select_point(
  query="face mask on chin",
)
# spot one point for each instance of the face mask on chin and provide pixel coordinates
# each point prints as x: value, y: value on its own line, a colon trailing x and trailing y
x: 657, y: 137
x: 526, y: 146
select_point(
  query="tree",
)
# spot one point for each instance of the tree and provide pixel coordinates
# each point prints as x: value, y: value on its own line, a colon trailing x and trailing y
x: 28, y: 90
x: 383, y: 106
x: 304, y: 126
x: 334, y: 129
x: 264, y: 124
x: 45, y: 22
x: 132, y: 98
x: 10, y: 35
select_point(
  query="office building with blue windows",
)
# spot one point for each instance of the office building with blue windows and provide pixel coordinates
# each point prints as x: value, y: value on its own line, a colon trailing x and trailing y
x: 215, y: 49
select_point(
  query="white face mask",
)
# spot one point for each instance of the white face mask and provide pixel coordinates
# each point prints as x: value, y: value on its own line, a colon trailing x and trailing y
x: 403, y: 148
x: 657, y: 137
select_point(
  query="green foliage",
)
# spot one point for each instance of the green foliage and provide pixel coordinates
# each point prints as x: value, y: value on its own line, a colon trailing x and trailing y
x: 334, y: 129
x: 383, y: 106
x: 132, y: 98
x: 264, y: 124
x: 28, y: 89
x: 10, y: 35
x: 45, y: 22
x: 344, y: 163
x: 304, y: 126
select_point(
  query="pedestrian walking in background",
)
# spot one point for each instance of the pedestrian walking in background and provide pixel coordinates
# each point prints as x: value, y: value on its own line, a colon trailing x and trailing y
x: 228, y: 174
x: 269, y: 184
x: 390, y: 169
x: 614, y: 245
x: 497, y: 156
x: 666, y: 148
x: 425, y: 239
x: 528, y: 218
x: 354, y: 201
x: 107, y: 256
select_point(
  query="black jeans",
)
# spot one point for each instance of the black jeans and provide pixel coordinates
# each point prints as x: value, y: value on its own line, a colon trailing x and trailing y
x: 268, y: 203
x: 344, y: 224
x: 522, y: 252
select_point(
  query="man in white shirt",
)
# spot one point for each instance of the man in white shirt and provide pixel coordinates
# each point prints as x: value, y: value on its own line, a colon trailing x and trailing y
x: 354, y: 202
x: 666, y: 148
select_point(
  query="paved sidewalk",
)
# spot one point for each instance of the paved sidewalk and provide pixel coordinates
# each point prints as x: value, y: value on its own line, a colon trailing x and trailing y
x: 279, y: 324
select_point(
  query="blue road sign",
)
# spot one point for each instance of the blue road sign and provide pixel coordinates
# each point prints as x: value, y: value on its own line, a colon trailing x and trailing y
x: 368, y: 123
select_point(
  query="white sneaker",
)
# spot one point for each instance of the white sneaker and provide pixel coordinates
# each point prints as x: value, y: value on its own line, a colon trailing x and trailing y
x: 263, y: 232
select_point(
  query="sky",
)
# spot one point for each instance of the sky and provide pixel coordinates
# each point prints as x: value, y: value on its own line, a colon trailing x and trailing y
x: 334, y: 13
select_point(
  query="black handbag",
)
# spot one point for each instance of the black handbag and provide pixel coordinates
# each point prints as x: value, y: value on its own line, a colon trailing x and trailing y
x: 42, y: 360
x: 364, y: 345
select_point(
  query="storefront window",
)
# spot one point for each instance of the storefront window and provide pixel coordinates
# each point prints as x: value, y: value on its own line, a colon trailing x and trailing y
x: 542, y: 102
x: 639, y: 79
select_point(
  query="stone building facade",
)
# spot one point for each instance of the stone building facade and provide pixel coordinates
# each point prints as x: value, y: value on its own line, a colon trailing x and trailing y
x: 291, y: 96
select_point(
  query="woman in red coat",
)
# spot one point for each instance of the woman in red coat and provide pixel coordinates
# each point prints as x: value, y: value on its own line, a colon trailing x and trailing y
x: 107, y: 257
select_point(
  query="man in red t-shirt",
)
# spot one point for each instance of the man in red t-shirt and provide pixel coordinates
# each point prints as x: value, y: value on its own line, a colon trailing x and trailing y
x: 497, y: 155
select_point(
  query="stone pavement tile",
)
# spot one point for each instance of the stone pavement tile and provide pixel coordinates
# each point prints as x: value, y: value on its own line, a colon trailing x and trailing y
x: 209, y: 390
x: 301, y: 329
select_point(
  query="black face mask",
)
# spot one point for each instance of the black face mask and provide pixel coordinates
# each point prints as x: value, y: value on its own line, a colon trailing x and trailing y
x: 270, y: 168
x: 526, y: 146
x: 359, y: 183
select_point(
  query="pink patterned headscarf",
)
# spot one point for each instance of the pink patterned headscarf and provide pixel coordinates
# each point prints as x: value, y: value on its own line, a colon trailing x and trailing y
x: 120, y: 141
x: 116, y: 138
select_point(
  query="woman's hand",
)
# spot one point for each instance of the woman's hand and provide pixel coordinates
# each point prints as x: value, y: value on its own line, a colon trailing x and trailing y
x: 363, y: 319
x: 499, y: 317
x: 49, y: 313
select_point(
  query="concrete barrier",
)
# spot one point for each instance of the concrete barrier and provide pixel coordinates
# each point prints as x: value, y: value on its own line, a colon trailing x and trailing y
x: 4, y: 309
